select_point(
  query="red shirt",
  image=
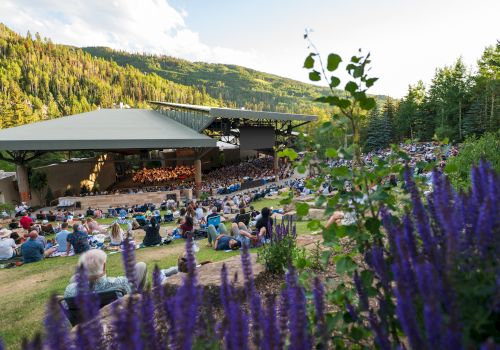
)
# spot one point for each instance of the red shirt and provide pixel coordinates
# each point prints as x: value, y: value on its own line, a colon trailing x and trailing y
x: 25, y: 222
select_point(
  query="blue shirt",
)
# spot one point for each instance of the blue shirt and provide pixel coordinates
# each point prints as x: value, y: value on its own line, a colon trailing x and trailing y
x: 79, y: 241
x: 32, y: 251
x: 61, y: 240
x: 223, y: 243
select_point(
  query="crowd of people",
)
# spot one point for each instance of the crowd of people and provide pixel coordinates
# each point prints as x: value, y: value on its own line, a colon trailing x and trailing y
x: 418, y: 152
x: 160, y: 175
x: 25, y: 239
x: 223, y: 180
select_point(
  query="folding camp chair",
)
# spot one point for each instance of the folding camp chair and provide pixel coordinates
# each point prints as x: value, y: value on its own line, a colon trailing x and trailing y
x: 73, y: 312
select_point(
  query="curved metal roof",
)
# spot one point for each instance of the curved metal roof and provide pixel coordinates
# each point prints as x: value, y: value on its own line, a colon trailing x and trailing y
x: 103, y: 129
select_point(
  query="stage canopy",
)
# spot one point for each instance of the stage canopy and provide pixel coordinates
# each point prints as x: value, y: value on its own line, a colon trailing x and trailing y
x: 104, y: 129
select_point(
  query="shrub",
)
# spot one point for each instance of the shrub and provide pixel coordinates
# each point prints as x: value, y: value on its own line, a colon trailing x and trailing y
x: 282, y: 248
x: 472, y: 150
x: 441, y: 268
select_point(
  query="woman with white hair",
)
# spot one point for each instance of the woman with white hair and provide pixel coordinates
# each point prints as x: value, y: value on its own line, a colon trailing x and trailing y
x: 94, y: 262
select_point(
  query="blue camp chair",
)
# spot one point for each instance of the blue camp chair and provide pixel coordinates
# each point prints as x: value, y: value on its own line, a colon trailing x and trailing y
x: 214, y: 220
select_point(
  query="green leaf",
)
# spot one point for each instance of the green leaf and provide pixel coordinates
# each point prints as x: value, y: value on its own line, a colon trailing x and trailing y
x: 345, y: 265
x: 351, y: 87
x: 367, y: 103
x: 331, y: 153
x: 314, y: 76
x: 334, y: 81
x: 372, y: 225
x: 370, y: 82
x: 309, y: 62
x: 343, y: 103
x: 301, y: 168
x: 341, y: 171
x: 358, y: 72
x: 326, y: 99
x: 302, y: 208
x: 451, y: 168
x: 288, y: 152
x: 333, y: 62
x: 314, y: 225
x: 367, y: 278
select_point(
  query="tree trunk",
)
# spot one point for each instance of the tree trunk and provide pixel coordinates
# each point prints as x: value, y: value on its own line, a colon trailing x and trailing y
x: 23, y: 182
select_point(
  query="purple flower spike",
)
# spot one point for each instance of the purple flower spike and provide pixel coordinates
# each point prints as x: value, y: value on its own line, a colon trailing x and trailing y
x: 299, y: 335
x: 128, y: 257
x: 55, y: 327
x: 319, y: 306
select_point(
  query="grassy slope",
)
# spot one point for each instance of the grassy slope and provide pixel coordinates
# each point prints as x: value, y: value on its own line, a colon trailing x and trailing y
x: 26, y: 289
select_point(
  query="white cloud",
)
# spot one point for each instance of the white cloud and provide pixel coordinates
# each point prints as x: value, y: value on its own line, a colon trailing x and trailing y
x: 152, y: 26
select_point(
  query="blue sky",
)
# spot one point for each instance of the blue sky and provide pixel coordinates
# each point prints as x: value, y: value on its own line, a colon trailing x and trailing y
x: 407, y: 39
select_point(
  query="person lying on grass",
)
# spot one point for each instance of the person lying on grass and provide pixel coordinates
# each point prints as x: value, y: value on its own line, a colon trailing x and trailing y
x: 94, y: 262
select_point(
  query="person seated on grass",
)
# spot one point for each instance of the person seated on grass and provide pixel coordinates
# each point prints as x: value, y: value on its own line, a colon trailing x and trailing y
x: 116, y: 235
x: 242, y: 217
x: 32, y: 250
x: 17, y: 238
x: 62, y: 238
x: 152, y: 236
x: 25, y: 220
x: 7, y: 245
x: 182, y: 266
x: 94, y: 262
x: 78, y: 240
x: 263, y: 222
x: 92, y: 226
x: 13, y: 224
x: 336, y: 218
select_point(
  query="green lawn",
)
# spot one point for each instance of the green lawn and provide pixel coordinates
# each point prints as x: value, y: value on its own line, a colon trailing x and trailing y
x: 25, y: 290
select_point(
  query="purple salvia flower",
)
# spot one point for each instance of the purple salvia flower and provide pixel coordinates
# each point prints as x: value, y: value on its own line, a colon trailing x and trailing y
x: 319, y: 306
x: 406, y: 315
x: 271, y: 336
x: 252, y: 296
x: 35, y: 344
x: 152, y: 342
x: 381, y: 337
x: 283, y: 318
x: 89, y: 332
x: 421, y: 218
x: 363, y: 298
x: 427, y: 285
x: 185, y: 305
x: 128, y: 257
x: 56, y: 328
x: 352, y: 311
x: 378, y: 263
x: 299, y: 335
x: 127, y: 330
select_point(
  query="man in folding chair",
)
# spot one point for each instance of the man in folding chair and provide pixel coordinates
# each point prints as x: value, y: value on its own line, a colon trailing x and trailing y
x: 94, y: 262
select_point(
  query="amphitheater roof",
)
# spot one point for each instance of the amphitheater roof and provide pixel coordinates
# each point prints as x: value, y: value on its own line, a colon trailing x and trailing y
x: 104, y: 129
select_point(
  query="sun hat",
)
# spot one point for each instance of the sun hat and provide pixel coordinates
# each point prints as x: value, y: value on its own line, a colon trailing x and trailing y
x: 45, y: 222
x: 4, y: 233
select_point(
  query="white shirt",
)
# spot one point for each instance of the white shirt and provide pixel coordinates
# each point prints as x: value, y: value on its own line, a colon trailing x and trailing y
x: 199, y: 213
x: 7, y: 246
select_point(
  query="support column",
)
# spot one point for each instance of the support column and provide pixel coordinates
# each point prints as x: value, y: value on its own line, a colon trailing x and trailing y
x: 276, y: 166
x: 197, y: 177
x: 23, y: 182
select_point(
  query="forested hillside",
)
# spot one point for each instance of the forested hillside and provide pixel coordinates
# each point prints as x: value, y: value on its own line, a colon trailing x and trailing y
x: 232, y: 86
x: 41, y: 80
x: 458, y: 103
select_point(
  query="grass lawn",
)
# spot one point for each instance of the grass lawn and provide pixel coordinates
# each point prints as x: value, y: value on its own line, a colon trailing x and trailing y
x: 25, y: 290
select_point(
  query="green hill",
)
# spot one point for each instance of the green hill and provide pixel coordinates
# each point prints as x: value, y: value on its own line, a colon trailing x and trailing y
x: 231, y: 85
x: 42, y: 80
